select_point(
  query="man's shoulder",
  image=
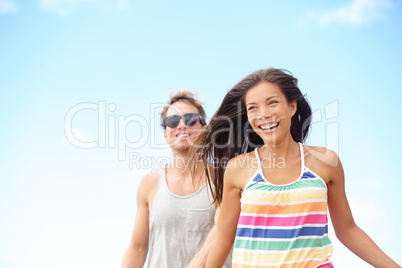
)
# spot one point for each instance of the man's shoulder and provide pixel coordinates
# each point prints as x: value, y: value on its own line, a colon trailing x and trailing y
x: 149, y: 182
x: 152, y: 175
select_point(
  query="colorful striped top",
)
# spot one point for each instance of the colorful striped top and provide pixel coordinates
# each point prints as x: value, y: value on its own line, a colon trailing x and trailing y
x: 283, y: 225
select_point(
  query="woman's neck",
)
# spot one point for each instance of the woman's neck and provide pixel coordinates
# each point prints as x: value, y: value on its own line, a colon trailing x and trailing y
x: 281, y: 149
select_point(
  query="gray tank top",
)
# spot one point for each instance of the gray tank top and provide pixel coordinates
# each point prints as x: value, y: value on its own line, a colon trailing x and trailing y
x: 178, y: 226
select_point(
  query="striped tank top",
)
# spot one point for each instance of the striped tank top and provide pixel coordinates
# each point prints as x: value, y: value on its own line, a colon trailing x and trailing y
x: 283, y: 225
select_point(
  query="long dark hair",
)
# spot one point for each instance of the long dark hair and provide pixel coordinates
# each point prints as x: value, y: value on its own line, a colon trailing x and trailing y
x: 229, y: 133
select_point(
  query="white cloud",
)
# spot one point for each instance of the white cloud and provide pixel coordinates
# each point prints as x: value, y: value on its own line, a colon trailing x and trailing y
x: 355, y: 13
x: 64, y: 7
x: 7, y: 6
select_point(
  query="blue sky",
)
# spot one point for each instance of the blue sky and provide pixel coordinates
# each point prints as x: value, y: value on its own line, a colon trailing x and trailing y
x: 101, y: 69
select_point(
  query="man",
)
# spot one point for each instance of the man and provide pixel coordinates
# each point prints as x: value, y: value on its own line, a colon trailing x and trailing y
x: 174, y: 224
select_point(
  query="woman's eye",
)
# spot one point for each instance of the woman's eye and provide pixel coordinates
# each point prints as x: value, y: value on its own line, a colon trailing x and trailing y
x: 251, y: 108
x: 273, y: 102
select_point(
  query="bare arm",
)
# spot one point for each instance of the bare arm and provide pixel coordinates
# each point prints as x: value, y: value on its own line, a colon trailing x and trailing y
x: 200, y: 258
x: 354, y: 238
x: 137, y: 250
x: 227, y: 223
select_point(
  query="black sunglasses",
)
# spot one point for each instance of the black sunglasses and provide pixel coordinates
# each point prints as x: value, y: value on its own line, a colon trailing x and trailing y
x: 189, y: 119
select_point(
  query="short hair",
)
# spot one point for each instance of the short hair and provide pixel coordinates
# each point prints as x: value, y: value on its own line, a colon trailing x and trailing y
x: 186, y: 96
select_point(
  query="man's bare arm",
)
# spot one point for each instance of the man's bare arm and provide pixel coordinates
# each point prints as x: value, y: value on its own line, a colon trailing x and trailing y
x: 137, y: 250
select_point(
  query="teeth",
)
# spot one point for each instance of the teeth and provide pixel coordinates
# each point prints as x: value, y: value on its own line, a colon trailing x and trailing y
x: 269, y: 127
x: 182, y: 135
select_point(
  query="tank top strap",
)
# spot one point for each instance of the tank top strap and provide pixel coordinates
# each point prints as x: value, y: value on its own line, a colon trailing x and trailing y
x: 258, y: 160
x: 301, y: 156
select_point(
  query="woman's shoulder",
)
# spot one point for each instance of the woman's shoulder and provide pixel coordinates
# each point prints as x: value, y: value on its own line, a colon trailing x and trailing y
x: 323, y: 161
x: 321, y: 155
x: 242, y: 166
x: 240, y: 169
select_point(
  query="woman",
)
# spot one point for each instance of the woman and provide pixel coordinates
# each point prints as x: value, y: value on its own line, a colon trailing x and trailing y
x: 274, y: 191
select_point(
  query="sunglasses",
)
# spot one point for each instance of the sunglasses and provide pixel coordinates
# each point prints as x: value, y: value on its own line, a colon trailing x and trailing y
x: 189, y: 119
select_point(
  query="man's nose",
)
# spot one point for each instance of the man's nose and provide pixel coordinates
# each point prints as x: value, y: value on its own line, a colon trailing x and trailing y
x: 181, y: 124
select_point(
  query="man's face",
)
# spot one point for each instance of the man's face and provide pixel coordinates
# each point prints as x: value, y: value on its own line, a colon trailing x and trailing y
x: 181, y: 137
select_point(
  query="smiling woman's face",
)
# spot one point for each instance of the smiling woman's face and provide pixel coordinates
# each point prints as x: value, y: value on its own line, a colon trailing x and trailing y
x: 269, y: 113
